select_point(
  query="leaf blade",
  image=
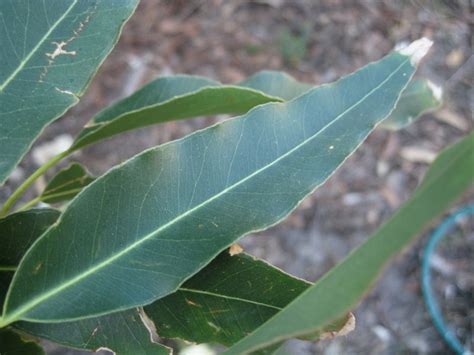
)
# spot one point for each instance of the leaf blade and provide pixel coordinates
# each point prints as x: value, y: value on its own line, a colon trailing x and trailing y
x: 124, y: 332
x: 419, y: 97
x: 33, y: 62
x: 66, y: 184
x: 234, y: 183
x: 170, y: 98
x: 449, y: 176
x: 223, y: 302
x: 26, y: 226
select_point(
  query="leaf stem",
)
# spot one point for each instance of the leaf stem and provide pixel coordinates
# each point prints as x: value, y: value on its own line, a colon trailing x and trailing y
x: 7, y: 268
x: 28, y: 182
x: 29, y: 204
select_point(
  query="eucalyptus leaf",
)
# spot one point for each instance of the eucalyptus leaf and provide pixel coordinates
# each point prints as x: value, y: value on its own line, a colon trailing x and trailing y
x: 50, y: 51
x: 419, y: 97
x: 66, y: 184
x: 12, y: 344
x: 18, y: 232
x: 170, y: 98
x: 26, y: 227
x: 123, y: 332
x: 184, y: 96
x: 225, y: 301
x: 142, y: 229
x: 343, y: 287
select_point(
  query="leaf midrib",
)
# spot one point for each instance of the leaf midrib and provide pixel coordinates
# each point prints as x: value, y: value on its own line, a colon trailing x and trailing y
x: 38, y: 45
x: 28, y: 306
x: 218, y: 295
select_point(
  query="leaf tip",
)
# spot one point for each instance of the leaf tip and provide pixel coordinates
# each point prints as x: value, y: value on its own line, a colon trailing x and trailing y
x: 417, y: 50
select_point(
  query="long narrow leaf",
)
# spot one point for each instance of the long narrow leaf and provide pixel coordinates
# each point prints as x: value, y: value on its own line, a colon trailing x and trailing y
x: 66, y: 184
x: 340, y: 290
x: 141, y: 230
x: 124, y: 332
x: 419, y: 97
x: 170, y: 98
x: 49, y: 52
x: 26, y: 227
x: 227, y: 300
x: 184, y: 96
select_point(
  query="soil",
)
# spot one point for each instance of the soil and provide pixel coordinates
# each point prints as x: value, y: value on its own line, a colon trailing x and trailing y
x: 315, y: 41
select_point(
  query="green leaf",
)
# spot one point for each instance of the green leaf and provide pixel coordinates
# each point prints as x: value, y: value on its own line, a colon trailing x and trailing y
x: 225, y: 301
x: 12, y: 344
x: 166, y: 99
x: 342, y: 287
x: 17, y: 233
x: 50, y: 51
x: 419, y: 97
x: 26, y: 227
x: 66, y: 184
x: 124, y: 333
x: 138, y: 232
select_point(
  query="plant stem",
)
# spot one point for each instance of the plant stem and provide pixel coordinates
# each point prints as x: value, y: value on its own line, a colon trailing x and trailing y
x: 28, y: 182
x: 29, y: 204
x: 7, y: 268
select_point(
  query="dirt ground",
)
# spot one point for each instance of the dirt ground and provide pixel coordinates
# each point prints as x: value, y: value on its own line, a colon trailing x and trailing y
x: 315, y: 41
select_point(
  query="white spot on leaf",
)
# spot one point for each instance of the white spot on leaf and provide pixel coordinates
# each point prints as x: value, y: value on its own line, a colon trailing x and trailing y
x: 60, y: 50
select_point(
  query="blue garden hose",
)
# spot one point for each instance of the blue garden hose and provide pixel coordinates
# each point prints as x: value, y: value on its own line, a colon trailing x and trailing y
x: 430, y: 300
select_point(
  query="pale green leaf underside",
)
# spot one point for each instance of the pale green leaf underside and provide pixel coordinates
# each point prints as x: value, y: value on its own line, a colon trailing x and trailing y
x: 50, y: 50
x: 138, y: 232
x: 419, y: 97
x: 340, y: 290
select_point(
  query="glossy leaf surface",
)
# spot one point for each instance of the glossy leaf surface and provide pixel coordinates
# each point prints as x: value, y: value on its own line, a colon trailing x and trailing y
x: 138, y: 232
x: 66, y: 184
x: 50, y: 50
x: 184, y: 96
x: 225, y: 301
x: 19, y: 231
x: 342, y: 287
x: 12, y: 344
x: 170, y: 98
x: 122, y: 332
x: 419, y: 97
